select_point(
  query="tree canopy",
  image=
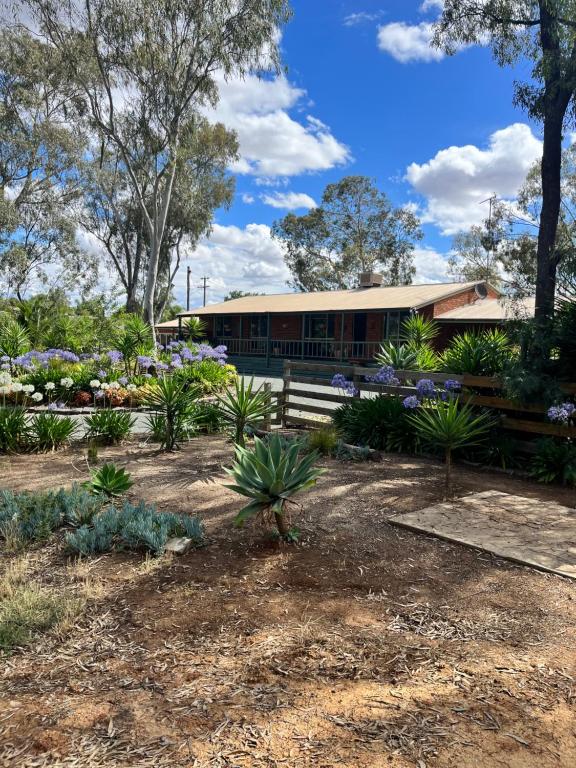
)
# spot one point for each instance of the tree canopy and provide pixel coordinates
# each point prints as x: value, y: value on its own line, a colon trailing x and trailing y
x: 354, y: 229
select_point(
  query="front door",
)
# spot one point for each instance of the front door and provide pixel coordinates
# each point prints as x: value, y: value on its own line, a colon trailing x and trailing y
x: 360, y: 323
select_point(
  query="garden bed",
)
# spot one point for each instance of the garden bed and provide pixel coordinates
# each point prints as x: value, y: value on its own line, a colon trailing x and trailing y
x: 363, y: 646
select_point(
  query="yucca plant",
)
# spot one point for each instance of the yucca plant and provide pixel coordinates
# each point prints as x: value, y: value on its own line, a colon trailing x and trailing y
x: 14, y: 339
x: 173, y: 402
x: 449, y: 425
x: 271, y: 475
x: 110, y: 480
x: 419, y: 330
x: 135, y: 339
x: 49, y: 431
x: 554, y: 461
x: 402, y: 357
x: 195, y: 327
x: 478, y: 354
x: 244, y: 406
x: 13, y: 429
x: 109, y: 426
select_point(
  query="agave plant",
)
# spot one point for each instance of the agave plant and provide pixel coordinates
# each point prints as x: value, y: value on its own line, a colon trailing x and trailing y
x: 402, y: 357
x: 173, y: 401
x: 110, y: 480
x: 449, y: 425
x: 271, y: 474
x: 244, y: 406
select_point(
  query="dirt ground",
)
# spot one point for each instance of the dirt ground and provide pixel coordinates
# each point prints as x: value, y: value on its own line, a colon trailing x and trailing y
x: 364, y: 646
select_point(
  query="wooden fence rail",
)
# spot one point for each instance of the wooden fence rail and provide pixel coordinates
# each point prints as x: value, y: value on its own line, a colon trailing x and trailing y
x: 307, y: 392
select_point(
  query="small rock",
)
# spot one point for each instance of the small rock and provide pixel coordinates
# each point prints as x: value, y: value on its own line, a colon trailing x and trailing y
x: 178, y: 545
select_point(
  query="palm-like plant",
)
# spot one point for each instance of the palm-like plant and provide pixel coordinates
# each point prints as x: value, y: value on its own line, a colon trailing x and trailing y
x: 418, y: 330
x: 449, y: 425
x: 244, y: 406
x: 134, y: 339
x: 174, y: 401
x: 271, y: 474
x: 402, y: 357
x: 14, y: 339
x: 195, y: 327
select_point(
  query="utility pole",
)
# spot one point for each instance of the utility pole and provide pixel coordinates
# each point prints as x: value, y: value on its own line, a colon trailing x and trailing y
x: 204, y: 285
x: 188, y: 273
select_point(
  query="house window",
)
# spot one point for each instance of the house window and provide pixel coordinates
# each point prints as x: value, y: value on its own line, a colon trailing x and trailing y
x: 224, y: 326
x: 392, y: 325
x: 319, y: 327
x: 258, y: 326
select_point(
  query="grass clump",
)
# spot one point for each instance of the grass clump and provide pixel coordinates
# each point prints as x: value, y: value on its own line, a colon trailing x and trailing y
x: 109, y: 427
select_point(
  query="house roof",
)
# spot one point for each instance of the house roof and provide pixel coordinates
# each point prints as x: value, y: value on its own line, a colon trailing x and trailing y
x: 168, y: 324
x: 489, y: 310
x: 354, y: 300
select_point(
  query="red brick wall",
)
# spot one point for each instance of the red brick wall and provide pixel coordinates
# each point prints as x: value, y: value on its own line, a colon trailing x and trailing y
x: 459, y: 300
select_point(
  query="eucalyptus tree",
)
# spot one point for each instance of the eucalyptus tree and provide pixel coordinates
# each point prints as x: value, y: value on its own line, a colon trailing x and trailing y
x: 354, y: 229
x: 544, y: 31
x: 39, y: 149
x: 151, y: 65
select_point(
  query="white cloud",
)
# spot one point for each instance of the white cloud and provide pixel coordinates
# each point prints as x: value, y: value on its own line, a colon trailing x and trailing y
x: 456, y: 180
x: 432, y: 5
x: 248, y: 199
x: 235, y: 258
x: 289, y: 201
x: 408, y: 42
x: 431, y: 266
x: 272, y: 142
x: 362, y: 17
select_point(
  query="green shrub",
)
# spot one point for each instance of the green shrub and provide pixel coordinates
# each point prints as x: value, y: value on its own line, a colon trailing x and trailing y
x: 209, y: 374
x: 448, y: 425
x: 31, y: 517
x: 49, y: 431
x: 110, y: 480
x: 323, y: 441
x: 554, y: 462
x: 270, y: 475
x: 245, y: 407
x: 208, y: 418
x: 109, y: 427
x: 402, y: 357
x: 419, y: 331
x: 134, y: 527
x: 478, y: 354
x: 14, y: 338
x: 13, y: 429
x: 173, y: 401
x: 380, y: 422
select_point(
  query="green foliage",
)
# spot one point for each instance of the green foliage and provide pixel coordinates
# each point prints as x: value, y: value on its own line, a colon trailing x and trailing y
x: 110, y: 480
x: 245, y: 406
x: 209, y: 374
x: 49, y: 431
x: 174, y: 403
x: 377, y: 422
x: 29, y: 517
x: 449, y: 425
x: 565, y: 339
x: 499, y: 450
x: 402, y: 357
x: 134, y: 339
x: 323, y: 441
x: 271, y: 475
x: 109, y: 427
x: 134, y: 527
x: 195, y: 327
x: 418, y: 330
x: 478, y: 354
x: 13, y: 429
x: 14, y: 339
x: 554, y: 462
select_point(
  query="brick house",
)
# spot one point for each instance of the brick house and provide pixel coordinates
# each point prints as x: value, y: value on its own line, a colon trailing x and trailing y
x: 334, y: 326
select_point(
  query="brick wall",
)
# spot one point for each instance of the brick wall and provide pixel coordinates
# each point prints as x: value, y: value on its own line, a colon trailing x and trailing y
x: 459, y: 300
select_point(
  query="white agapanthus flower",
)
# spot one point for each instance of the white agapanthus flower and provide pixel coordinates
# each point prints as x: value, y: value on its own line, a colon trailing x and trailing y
x: 114, y: 385
x: 28, y: 389
x: 49, y: 386
x: 95, y: 384
x: 17, y: 386
x: 131, y: 386
x: 5, y: 379
x: 104, y: 386
x: 37, y: 396
x: 4, y: 390
x: 66, y: 382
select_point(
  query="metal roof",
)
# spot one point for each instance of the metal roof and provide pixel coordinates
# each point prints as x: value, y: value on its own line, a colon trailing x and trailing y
x: 487, y: 310
x: 354, y: 300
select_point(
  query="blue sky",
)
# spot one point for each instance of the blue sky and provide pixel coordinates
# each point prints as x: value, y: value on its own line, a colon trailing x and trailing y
x: 365, y: 94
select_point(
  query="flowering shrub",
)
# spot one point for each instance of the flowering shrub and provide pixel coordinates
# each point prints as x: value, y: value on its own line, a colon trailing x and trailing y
x: 341, y: 382
x: 563, y: 413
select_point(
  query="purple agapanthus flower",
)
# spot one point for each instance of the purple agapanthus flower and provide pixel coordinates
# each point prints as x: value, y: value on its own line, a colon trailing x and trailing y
x: 562, y: 413
x: 115, y: 356
x: 411, y: 402
x: 426, y: 388
x: 102, y: 374
x: 341, y: 382
x: 123, y: 380
x: 451, y: 385
x: 144, y: 361
x: 99, y: 394
x: 386, y: 375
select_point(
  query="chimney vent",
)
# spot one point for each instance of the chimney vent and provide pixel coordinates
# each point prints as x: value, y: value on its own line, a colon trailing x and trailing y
x: 370, y: 280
